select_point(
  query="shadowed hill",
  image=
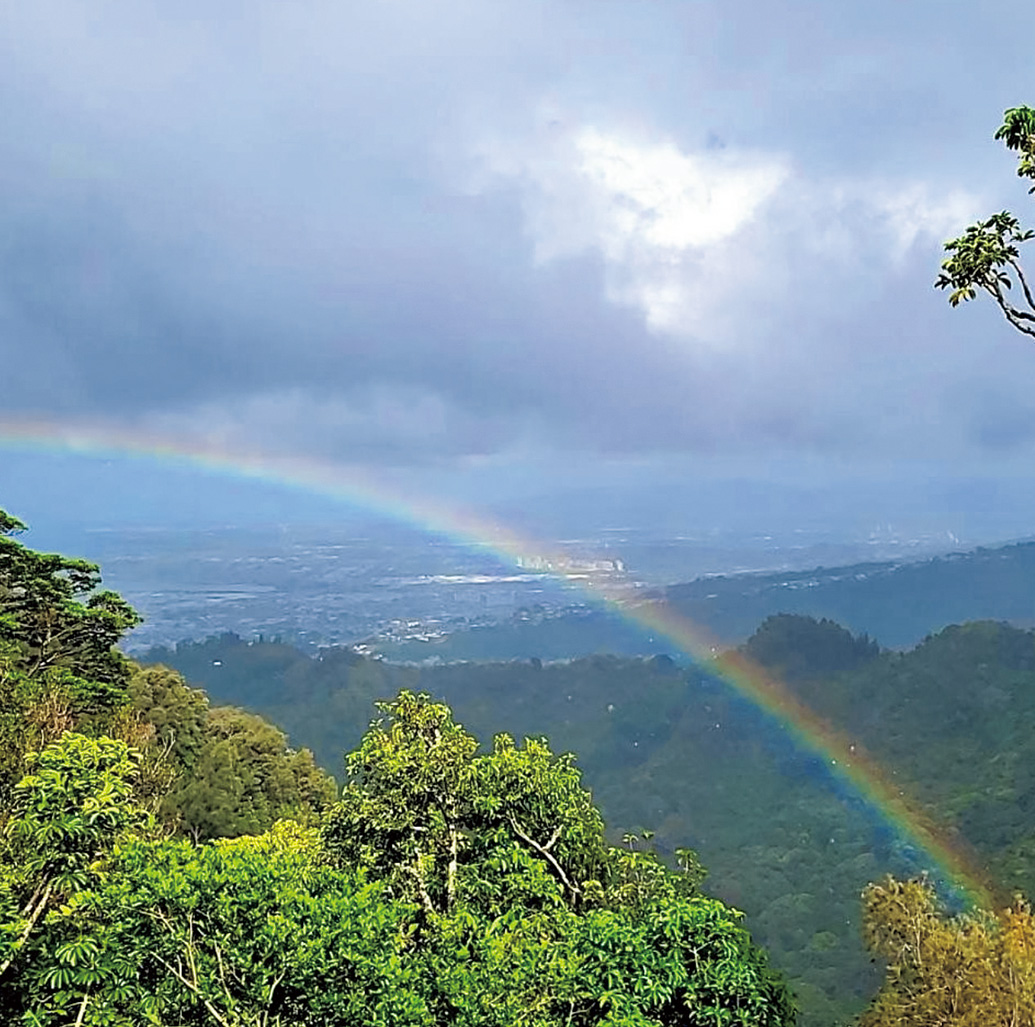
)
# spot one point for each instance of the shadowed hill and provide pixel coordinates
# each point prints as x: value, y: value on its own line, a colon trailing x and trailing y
x: 897, y: 603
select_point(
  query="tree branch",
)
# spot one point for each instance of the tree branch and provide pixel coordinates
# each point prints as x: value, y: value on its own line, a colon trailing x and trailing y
x: 33, y: 918
x: 1013, y: 315
x: 1020, y: 325
x: 82, y: 1009
x: 269, y: 998
x: 452, y: 868
x: 194, y: 989
x: 429, y: 906
x: 545, y: 852
x: 27, y: 908
x: 1024, y: 283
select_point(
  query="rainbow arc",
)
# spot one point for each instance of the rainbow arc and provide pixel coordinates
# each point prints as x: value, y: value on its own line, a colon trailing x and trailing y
x: 950, y: 858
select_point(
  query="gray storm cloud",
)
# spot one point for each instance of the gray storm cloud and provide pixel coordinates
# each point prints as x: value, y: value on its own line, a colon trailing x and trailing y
x: 426, y: 231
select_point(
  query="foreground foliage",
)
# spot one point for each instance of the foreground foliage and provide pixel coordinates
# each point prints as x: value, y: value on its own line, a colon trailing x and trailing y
x: 966, y: 971
x: 447, y: 887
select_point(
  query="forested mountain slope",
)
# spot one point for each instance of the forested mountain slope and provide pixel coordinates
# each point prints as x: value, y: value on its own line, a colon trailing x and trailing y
x: 669, y: 747
x: 954, y: 717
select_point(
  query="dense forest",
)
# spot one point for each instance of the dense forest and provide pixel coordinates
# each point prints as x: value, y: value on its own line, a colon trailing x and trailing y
x: 673, y: 749
x: 169, y: 861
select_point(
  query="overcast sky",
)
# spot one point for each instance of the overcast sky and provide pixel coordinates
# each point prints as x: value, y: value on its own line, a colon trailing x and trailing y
x: 438, y: 237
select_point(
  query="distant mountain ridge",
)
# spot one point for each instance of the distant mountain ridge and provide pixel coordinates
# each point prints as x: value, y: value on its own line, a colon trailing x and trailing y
x: 898, y: 603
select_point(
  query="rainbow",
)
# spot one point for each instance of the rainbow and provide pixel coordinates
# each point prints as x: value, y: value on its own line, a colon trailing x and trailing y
x: 952, y: 860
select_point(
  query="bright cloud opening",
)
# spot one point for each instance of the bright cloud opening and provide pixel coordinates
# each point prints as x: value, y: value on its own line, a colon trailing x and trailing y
x: 659, y: 198
x: 707, y: 245
x: 650, y: 211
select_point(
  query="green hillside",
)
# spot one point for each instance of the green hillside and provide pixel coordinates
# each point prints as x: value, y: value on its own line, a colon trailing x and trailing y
x: 669, y: 747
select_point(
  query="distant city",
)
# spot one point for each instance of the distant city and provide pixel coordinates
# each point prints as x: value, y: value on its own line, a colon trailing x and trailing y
x: 387, y: 583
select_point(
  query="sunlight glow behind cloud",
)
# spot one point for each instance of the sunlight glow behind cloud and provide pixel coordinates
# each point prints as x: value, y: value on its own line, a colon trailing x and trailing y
x: 657, y: 196
x: 700, y: 242
x: 648, y: 210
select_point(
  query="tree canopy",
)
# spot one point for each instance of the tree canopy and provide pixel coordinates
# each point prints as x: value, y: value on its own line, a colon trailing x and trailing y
x: 986, y: 256
x: 510, y: 841
x: 58, y: 663
x: 53, y: 615
x: 447, y: 887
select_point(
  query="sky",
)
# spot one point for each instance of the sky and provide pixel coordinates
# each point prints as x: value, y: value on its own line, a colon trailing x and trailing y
x: 509, y: 251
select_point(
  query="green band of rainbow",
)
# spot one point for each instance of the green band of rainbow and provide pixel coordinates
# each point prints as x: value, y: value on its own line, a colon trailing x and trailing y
x: 951, y: 858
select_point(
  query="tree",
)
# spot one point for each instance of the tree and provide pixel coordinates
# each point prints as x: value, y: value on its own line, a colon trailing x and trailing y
x: 975, y: 970
x: 244, y: 778
x: 66, y: 815
x: 248, y: 932
x: 53, y: 616
x: 59, y: 668
x: 987, y: 256
x: 216, y: 772
x: 797, y: 648
x: 526, y: 911
x: 423, y: 809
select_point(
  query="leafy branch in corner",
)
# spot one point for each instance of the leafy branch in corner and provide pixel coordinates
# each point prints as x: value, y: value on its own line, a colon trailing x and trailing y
x: 986, y: 256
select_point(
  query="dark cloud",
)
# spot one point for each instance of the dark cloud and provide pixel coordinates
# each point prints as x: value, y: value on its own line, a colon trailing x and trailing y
x: 370, y: 232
